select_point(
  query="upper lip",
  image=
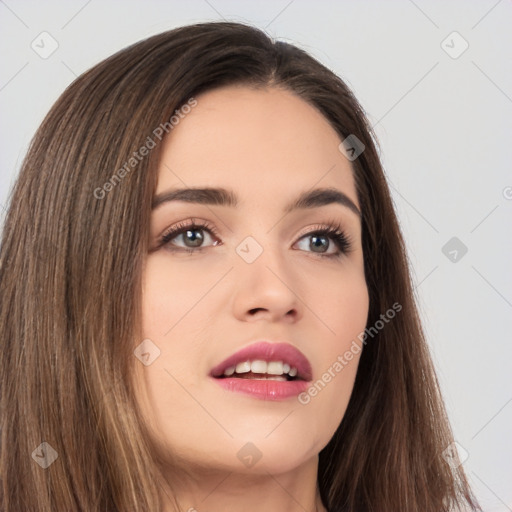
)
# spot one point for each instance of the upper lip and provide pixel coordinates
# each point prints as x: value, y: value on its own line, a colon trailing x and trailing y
x: 267, y: 351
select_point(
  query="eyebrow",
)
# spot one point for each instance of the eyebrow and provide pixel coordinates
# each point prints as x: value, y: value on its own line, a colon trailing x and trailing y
x: 224, y: 197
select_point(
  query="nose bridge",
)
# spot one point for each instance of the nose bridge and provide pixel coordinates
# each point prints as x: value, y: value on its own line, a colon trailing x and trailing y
x: 263, y: 280
x: 261, y: 248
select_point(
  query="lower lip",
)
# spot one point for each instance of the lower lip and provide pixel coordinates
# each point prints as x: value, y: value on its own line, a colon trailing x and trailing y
x: 264, y: 389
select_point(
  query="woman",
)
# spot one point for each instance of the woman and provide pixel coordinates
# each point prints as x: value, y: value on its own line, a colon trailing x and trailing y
x: 206, y: 301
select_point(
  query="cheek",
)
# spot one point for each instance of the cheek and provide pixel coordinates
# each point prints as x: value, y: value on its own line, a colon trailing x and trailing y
x: 164, y: 388
x: 345, y: 347
x: 344, y: 310
x: 342, y: 306
x: 167, y: 294
x: 169, y: 313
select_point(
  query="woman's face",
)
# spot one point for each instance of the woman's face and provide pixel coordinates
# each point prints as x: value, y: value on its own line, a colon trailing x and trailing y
x: 256, y: 272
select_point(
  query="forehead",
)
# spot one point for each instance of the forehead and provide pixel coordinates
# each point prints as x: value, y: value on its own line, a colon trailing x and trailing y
x: 257, y: 141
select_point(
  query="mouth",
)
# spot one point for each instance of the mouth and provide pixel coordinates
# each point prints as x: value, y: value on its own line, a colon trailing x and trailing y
x: 262, y: 370
x: 269, y: 371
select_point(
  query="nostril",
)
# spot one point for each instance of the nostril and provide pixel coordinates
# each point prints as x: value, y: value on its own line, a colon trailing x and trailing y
x: 255, y: 310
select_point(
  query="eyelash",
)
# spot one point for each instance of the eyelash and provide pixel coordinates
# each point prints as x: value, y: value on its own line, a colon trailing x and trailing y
x: 334, y: 231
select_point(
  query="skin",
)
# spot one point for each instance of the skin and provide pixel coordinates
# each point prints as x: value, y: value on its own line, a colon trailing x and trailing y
x: 268, y: 146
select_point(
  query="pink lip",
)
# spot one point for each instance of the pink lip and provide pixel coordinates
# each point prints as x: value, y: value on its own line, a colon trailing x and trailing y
x: 266, y: 389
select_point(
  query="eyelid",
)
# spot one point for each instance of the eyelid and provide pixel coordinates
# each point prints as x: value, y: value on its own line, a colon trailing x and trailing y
x: 329, y: 224
x: 187, y: 224
x: 335, y: 230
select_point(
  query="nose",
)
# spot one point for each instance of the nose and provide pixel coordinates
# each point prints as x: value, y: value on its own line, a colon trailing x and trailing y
x: 267, y: 289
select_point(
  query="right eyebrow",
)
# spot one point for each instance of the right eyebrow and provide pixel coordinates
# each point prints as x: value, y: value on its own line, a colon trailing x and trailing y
x: 208, y: 196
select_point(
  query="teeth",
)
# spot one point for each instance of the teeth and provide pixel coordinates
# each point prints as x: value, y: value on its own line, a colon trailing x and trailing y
x: 275, y: 368
x: 229, y: 371
x: 259, y: 367
x: 244, y: 367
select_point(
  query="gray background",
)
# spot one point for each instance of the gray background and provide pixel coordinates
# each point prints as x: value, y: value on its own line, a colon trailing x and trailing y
x: 444, y: 122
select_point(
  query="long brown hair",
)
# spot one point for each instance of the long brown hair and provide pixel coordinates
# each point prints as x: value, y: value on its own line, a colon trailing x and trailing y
x: 72, y: 252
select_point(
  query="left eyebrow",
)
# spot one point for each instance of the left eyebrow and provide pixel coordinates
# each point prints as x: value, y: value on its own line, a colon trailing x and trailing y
x: 322, y: 197
x: 224, y: 197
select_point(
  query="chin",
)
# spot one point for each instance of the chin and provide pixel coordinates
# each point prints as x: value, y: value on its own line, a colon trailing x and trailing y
x: 275, y: 455
x: 278, y: 453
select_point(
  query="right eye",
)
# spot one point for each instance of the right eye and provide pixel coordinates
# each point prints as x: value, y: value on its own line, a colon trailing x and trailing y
x: 191, y: 232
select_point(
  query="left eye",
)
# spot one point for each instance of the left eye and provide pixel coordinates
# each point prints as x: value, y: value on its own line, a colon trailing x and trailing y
x: 321, y: 240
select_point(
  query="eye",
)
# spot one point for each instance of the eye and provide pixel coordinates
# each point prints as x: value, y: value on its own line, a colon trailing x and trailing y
x: 320, y: 241
x: 192, y: 235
